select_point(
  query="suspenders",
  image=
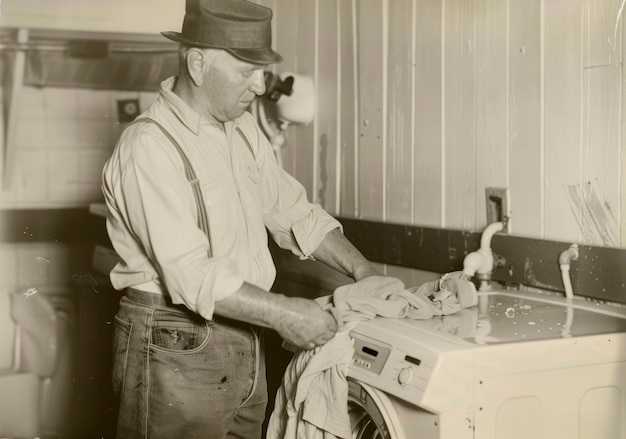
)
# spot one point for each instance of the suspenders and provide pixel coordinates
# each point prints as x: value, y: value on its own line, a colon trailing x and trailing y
x: 203, y: 220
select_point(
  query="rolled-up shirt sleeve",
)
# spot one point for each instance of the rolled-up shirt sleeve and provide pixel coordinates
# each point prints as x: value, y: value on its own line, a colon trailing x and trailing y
x: 155, y: 203
x: 310, y: 230
x: 293, y: 222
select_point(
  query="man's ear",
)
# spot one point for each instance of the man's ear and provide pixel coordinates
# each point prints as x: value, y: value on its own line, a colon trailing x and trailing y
x: 196, y: 62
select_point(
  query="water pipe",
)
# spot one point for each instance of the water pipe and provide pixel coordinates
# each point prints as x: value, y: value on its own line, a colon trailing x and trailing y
x: 481, y: 262
x: 566, y: 329
x: 566, y: 256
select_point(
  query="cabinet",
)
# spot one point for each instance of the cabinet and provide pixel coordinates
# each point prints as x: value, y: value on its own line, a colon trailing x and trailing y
x: 97, y: 305
x: 119, y: 16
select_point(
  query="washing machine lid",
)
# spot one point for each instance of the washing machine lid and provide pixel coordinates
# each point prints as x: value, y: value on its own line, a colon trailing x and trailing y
x: 503, y: 317
x: 434, y: 363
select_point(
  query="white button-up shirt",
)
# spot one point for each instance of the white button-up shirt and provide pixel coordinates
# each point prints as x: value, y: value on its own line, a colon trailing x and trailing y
x: 152, y: 220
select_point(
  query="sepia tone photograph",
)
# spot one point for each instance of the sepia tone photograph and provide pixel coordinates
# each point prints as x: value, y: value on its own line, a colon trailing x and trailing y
x: 312, y: 219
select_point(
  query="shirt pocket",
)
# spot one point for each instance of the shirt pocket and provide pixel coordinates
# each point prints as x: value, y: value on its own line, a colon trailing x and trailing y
x: 221, y: 202
x: 214, y: 194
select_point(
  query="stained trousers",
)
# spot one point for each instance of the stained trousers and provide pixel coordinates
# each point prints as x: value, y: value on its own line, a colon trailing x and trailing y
x: 178, y: 375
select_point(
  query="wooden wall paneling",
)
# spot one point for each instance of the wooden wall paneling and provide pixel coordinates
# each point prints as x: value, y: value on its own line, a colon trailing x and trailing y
x: 306, y: 49
x: 459, y: 114
x: 348, y: 99
x: 598, y: 195
x: 622, y: 30
x: 525, y: 113
x: 372, y: 63
x: 327, y: 107
x: 428, y: 119
x: 491, y: 101
x: 400, y: 98
x: 563, y: 116
x: 286, y: 37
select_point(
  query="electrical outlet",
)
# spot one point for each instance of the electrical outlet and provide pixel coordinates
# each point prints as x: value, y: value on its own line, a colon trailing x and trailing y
x: 498, y: 206
x: 127, y: 109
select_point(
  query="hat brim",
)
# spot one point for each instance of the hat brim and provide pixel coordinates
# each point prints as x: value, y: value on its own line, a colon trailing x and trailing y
x: 255, y: 56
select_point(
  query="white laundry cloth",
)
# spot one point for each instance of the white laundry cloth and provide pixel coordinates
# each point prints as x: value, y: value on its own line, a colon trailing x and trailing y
x: 312, y: 402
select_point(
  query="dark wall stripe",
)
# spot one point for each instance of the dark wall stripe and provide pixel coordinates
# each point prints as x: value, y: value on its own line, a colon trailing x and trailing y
x: 75, y: 225
x: 430, y: 249
x: 599, y: 272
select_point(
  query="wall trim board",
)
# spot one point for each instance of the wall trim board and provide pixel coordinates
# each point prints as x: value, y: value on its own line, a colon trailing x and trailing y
x: 599, y: 272
x: 69, y: 225
x: 425, y: 248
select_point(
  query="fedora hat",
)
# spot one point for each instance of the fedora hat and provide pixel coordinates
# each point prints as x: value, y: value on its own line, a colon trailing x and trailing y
x: 238, y: 26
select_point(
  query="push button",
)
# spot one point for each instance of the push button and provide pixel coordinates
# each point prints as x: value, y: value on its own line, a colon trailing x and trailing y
x: 405, y: 376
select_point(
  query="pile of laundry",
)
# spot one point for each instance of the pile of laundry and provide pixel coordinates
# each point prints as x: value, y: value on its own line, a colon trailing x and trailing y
x: 312, y: 401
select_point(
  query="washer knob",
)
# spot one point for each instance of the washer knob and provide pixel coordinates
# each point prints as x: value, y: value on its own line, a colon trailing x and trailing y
x: 405, y: 376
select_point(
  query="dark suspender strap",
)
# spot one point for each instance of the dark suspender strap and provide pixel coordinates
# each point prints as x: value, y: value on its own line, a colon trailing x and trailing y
x: 245, y: 139
x: 203, y: 220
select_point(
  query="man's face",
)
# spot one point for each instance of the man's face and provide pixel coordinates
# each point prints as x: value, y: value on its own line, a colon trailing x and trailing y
x: 231, y: 85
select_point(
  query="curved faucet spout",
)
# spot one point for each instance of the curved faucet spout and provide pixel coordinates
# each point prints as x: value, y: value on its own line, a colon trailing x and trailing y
x: 481, y: 261
x: 490, y: 230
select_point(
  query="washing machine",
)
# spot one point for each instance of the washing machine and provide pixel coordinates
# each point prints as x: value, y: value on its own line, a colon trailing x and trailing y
x: 518, y: 365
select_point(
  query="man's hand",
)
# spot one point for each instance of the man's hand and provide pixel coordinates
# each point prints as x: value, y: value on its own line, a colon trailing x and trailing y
x: 304, y: 323
x: 339, y: 253
x: 300, y: 322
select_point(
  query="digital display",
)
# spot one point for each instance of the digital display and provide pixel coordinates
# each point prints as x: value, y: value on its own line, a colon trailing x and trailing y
x: 415, y: 361
x: 369, y: 351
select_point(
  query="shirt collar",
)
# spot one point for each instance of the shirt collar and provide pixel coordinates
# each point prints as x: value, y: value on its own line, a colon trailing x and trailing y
x: 189, y: 117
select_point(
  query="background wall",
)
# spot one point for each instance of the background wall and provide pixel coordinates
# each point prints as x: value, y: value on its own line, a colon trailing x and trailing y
x: 422, y: 104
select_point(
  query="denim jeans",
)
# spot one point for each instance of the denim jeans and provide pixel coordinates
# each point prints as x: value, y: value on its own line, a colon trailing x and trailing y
x: 180, y: 376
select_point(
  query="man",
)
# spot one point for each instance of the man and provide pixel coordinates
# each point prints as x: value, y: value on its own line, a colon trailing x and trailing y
x: 192, y: 188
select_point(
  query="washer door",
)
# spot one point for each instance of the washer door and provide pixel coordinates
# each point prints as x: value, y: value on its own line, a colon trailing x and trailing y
x: 374, y: 415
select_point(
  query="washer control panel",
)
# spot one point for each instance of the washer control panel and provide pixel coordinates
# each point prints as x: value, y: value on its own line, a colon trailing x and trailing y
x: 370, y: 354
x: 391, y: 368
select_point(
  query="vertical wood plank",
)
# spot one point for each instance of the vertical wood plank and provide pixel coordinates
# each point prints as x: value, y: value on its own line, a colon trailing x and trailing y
x: 459, y: 114
x: 563, y: 116
x: 327, y: 106
x: 286, y: 36
x: 525, y: 114
x: 560, y: 115
x: 598, y: 196
x: 622, y: 219
x: 348, y: 83
x: 306, y: 47
x: 428, y: 121
x: 371, y: 65
x: 491, y: 101
x: 399, y: 112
